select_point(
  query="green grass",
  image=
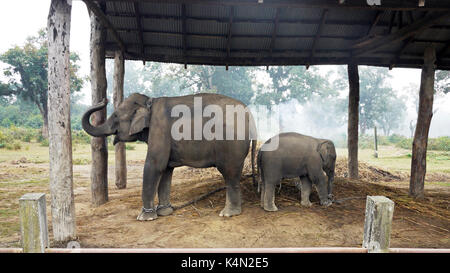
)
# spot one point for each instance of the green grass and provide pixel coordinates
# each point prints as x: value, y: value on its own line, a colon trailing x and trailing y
x: 396, y: 159
x: 81, y: 153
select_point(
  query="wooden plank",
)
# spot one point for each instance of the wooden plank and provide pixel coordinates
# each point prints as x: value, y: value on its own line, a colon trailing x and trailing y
x: 420, y: 142
x: 403, y: 33
x: 99, y: 147
x: 120, y: 152
x: 353, y: 120
x: 60, y: 138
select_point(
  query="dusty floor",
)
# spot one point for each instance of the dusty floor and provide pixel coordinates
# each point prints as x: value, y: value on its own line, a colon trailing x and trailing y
x: 416, y: 223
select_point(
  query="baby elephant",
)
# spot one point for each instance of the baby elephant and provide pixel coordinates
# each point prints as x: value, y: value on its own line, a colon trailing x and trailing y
x: 297, y: 156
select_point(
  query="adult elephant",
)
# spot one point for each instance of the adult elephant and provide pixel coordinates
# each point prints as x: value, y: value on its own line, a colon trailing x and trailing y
x: 163, y: 123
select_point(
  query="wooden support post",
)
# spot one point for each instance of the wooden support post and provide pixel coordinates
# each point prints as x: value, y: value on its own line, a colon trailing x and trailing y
x: 99, y: 169
x: 419, y: 150
x: 353, y: 120
x: 33, y: 223
x: 378, y: 223
x: 121, y: 161
x: 60, y: 138
x: 375, y: 141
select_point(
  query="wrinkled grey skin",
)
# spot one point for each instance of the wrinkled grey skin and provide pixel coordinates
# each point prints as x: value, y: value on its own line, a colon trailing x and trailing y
x: 149, y: 119
x: 297, y: 156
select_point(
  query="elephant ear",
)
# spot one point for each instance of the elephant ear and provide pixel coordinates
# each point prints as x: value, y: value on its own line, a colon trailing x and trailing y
x: 140, y: 121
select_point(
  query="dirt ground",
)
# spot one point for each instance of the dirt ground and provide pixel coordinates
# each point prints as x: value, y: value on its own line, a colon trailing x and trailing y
x: 424, y: 224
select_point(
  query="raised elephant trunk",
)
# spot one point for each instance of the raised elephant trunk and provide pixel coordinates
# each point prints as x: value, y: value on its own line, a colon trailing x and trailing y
x: 97, y: 131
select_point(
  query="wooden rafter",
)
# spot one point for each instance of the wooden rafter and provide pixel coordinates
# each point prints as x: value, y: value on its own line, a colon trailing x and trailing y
x: 403, y: 33
x: 102, y: 17
x: 139, y: 28
x: 275, y: 30
x: 391, y: 22
x: 317, y: 37
x: 207, y: 35
x: 230, y: 26
x: 400, y: 19
x: 183, y: 15
x: 401, y: 51
x: 374, y: 23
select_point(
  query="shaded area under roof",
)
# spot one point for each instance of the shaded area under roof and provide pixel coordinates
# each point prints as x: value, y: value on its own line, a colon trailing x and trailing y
x: 279, y: 32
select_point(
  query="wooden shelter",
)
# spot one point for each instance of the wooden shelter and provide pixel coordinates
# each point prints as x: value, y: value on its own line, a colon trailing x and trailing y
x: 408, y: 33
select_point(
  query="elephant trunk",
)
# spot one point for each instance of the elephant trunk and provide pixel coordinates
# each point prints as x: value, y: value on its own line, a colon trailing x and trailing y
x: 97, y: 131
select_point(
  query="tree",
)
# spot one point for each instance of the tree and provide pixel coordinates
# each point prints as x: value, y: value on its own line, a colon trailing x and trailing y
x: 442, y: 83
x: 379, y: 105
x: 293, y: 82
x: 27, y: 74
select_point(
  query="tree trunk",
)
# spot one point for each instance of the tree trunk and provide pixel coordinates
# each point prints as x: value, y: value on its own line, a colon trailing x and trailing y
x: 60, y: 139
x: 419, y: 151
x: 121, y: 161
x: 353, y: 120
x: 99, y: 169
x: 45, y: 124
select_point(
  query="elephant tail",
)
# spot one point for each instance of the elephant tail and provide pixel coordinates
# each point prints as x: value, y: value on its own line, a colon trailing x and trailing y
x: 253, y: 161
x: 260, y: 176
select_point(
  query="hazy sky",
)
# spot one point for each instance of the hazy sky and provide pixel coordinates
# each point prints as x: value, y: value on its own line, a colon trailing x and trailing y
x: 22, y: 18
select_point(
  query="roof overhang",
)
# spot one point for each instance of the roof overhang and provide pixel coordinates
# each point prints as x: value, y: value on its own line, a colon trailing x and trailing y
x: 277, y: 32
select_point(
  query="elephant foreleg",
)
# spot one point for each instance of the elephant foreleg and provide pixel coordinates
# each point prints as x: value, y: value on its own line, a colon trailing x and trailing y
x: 152, y: 177
x: 164, y: 207
x: 319, y: 179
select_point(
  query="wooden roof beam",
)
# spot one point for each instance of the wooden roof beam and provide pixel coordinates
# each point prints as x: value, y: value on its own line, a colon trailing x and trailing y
x: 140, y: 30
x: 348, y: 4
x: 102, y: 17
x: 275, y: 29
x: 257, y: 21
x: 183, y: 15
x: 230, y: 26
x: 374, y: 23
x: 317, y: 37
x: 403, y: 33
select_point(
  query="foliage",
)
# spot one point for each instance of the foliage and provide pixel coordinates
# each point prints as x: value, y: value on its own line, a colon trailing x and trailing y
x: 379, y: 104
x: 442, y: 82
x: 27, y: 73
x: 80, y: 137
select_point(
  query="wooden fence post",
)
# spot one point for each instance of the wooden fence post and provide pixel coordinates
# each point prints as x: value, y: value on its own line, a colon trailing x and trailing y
x: 377, y: 225
x: 375, y: 141
x: 33, y: 222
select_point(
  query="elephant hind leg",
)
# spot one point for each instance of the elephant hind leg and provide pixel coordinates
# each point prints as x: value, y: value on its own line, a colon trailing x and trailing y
x: 233, y: 201
x: 269, y: 195
x: 305, y: 189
